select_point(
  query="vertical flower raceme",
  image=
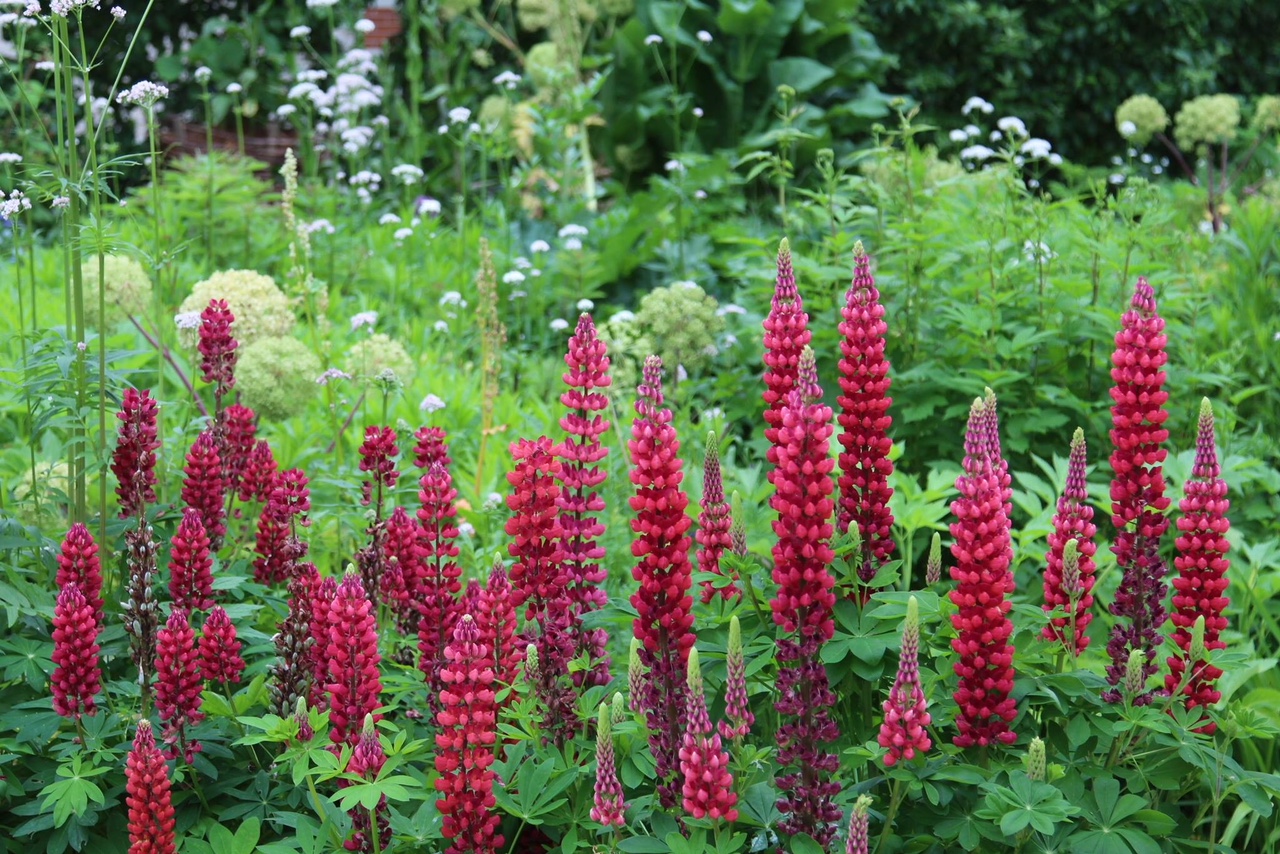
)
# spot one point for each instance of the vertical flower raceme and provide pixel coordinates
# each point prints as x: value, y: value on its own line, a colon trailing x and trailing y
x: 190, y: 564
x: 238, y: 442
x: 431, y: 446
x: 991, y: 432
x: 580, y: 504
x: 496, y: 617
x: 664, y: 624
x: 321, y: 592
x: 217, y: 349
x: 704, y: 764
x: 203, y: 487
x: 984, y: 580
x: 369, y: 834
x: 467, y: 734
x: 714, y: 523
x: 1072, y: 522
x: 377, y: 461
x: 803, y: 607
x: 402, y: 551
x: 859, y: 826
x: 1200, y: 588
x: 292, y: 674
x: 279, y: 548
x: 134, y: 460
x: 610, y: 808
x: 77, y: 677
x: 178, y: 683
x: 864, y: 420
x: 259, y: 474
x: 78, y: 563
x: 933, y: 566
x: 906, y: 712
x: 354, y: 681
x: 148, y: 795
x: 786, y: 333
x: 141, y: 612
x: 220, y: 659
x: 435, y: 590
x: 737, y: 708
x: 1138, y: 499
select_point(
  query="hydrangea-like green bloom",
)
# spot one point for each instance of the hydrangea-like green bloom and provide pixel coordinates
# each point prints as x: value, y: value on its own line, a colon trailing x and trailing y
x: 535, y: 15
x: 1266, y: 114
x: 1141, y: 117
x: 261, y: 309
x: 126, y: 284
x: 628, y: 347
x: 682, y: 321
x: 544, y: 65
x: 617, y: 8
x: 1207, y: 120
x: 369, y: 358
x: 276, y: 377
x: 494, y: 113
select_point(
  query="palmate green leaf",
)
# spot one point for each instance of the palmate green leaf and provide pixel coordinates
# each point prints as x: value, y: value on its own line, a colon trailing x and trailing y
x: 643, y: 845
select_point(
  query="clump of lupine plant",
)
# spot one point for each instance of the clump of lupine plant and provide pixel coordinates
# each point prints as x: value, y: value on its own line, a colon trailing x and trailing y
x: 1070, y: 589
x: 906, y: 711
x: 77, y: 677
x: 151, y: 815
x: 1138, y: 495
x: 714, y: 524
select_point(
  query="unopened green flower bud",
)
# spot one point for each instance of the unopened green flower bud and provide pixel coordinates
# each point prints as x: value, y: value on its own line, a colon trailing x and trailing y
x: 933, y: 568
x: 531, y: 663
x: 1141, y: 117
x: 695, y: 672
x: 619, y: 707
x: 1036, y: 760
x: 635, y: 677
x: 1197, y: 651
x: 604, y: 730
x: 1071, y: 569
x: 1135, y: 680
x: 1207, y: 120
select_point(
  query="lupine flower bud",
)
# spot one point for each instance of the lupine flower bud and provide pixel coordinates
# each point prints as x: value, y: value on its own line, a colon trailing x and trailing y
x: 134, y: 460
x: 859, y: 826
x: 906, y: 712
x: 151, y: 820
x: 1072, y: 584
x: 190, y: 565
x: 531, y: 664
x: 1036, y: 760
x: 1135, y: 679
x: 736, y: 706
x: 610, y: 806
x: 619, y: 707
x: 203, y: 487
x: 933, y: 568
x: 367, y: 761
x: 302, y: 716
x: 635, y: 677
x: 77, y: 676
x: 1197, y: 650
x: 220, y: 659
x: 714, y: 525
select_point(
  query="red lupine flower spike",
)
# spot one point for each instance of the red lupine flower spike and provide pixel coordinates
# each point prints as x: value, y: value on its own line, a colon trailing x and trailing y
x: 354, y: 681
x: 151, y: 819
x: 77, y: 676
x: 320, y: 597
x: 708, y: 785
x: 134, y: 460
x: 259, y: 474
x: 402, y: 551
x: 1073, y: 521
x: 366, y: 763
x: 786, y: 333
x: 496, y: 616
x: 737, y: 708
x: 78, y: 563
x: 178, y: 684
x: 203, y: 487
x: 217, y: 347
x: 239, y: 435
x: 906, y: 712
x: 190, y: 565
x: 714, y: 525
x: 435, y: 591
x: 610, y: 807
x: 377, y: 460
x: 220, y: 659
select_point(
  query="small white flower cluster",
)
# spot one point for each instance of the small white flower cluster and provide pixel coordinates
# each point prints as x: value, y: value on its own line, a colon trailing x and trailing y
x: 14, y: 205
x: 65, y: 8
x: 514, y: 277
x: 704, y: 36
x: 331, y: 375
x: 1038, y: 251
x: 673, y: 166
x: 203, y: 74
x: 319, y: 226
x: 300, y: 32
x: 428, y: 206
x: 431, y: 403
x: 117, y: 13
x: 19, y: 20
x: 362, y: 319
x: 539, y: 246
x: 402, y: 234
x: 60, y: 202
x: 624, y: 316
x: 407, y: 173
x: 572, y: 235
x: 585, y: 305
x: 321, y: 4
x: 452, y: 298
x: 980, y: 105
x: 459, y: 115
x: 187, y: 320
x: 730, y: 308
x: 366, y: 183
x: 364, y: 26
x: 8, y: 157
x: 1128, y: 129
x: 559, y: 324
x: 652, y: 40
x: 389, y: 219
x: 507, y: 80
x: 143, y: 94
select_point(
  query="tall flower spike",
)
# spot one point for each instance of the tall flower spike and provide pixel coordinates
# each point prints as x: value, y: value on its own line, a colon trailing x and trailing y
x: 355, y: 682
x: 320, y: 594
x: 151, y: 819
x: 714, y: 525
x: 610, y: 808
x: 991, y: 431
x: 178, y: 684
x: 259, y: 474
x: 435, y: 591
x: 190, y: 565
x: 377, y: 461
x: 984, y: 579
x: 803, y: 608
x: 580, y: 504
x: 141, y: 612
x: 218, y: 348
x: 467, y: 734
x: 134, y: 460
x: 1073, y: 522
x: 77, y: 677
x: 864, y: 420
x: 78, y: 563
x: 367, y: 761
x: 933, y: 568
x: 1138, y: 499
x: 859, y: 826
x: 203, y: 487
x: 1200, y: 588
x: 220, y: 659
x: 238, y: 442
x: 664, y: 622
x: 295, y: 669
x: 737, y: 708
x: 786, y: 333
x: 708, y: 785
x: 402, y: 553
x: 906, y: 712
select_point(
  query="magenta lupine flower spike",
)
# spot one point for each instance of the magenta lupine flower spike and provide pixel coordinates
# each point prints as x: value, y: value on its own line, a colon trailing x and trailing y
x: 1137, y: 489
x: 239, y: 435
x: 149, y: 796
x: 178, y: 683
x: 378, y: 461
x: 984, y: 579
x: 786, y: 332
x: 708, y: 785
x: 204, y: 488
x: 736, y: 706
x: 220, y: 659
x: 581, y: 506
x: 367, y: 761
x: 1072, y: 522
x: 864, y: 420
x: 190, y: 564
x: 435, y: 591
x: 610, y: 807
x: 134, y: 460
x: 77, y: 677
x: 859, y: 827
x: 218, y: 348
x: 714, y: 525
x: 1200, y: 588
x: 78, y: 563
x: 354, y: 680
x: 906, y: 712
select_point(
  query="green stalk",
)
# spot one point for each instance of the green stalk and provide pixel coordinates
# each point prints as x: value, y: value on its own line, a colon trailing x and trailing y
x: 158, y: 293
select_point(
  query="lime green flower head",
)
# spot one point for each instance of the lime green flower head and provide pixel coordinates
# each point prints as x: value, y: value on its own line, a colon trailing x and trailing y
x: 535, y: 15
x: 494, y: 114
x: 1266, y: 114
x: 628, y: 346
x: 125, y: 283
x: 261, y: 309
x: 276, y: 377
x: 1141, y: 117
x: 617, y: 8
x: 371, y: 357
x: 682, y: 321
x: 545, y: 65
x: 1207, y: 120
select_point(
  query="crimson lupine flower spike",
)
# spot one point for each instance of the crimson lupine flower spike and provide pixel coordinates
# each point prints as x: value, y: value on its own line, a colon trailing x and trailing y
x: 786, y: 333
x: 238, y: 442
x: 178, y: 683
x: 1199, y: 590
x: 78, y: 563
x: 859, y: 841
x: 664, y: 623
x: 402, y: 552
x: 366, y: 763
x: 77, y: 678
x: 220, y: 659
x: 708, y: 785
x: 803, y: 607
x: 134, y: 460
x: 259, y: 474
x: 320, y: 596
x: 293, y: 673
x: 579, y: 502
x: 1137, y: 489
x: 280, y: 550
x: 431, y: 446
x: 610, y: 807
x: 151, y: 820
x: 983, y: 555
x: 737, y: 708
x: 714, y: 525
x: 1072, y: 521
x: 190, y: 565
x: 218, y: 348
x: 497, y: 620
x: 354, y: 683
x: 864, y: 420
x: 204, y: 488
x: 466, y: 738
x: 435, y: 591
x: 906, y: 712
x: 377, y: 460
